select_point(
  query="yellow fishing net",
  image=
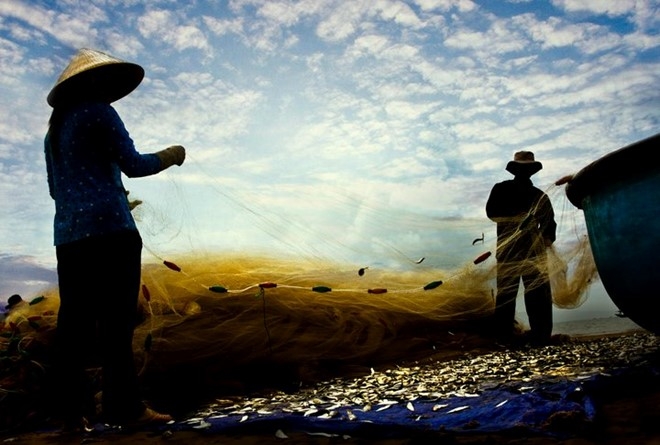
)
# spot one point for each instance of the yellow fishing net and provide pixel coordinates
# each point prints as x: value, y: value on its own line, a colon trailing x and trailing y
x: 233, y: 309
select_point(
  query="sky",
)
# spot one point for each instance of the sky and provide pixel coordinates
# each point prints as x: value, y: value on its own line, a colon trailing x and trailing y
x: 333, y: 129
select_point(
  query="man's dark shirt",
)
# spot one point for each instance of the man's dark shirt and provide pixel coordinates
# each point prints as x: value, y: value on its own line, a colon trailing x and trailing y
x: 524, y: 217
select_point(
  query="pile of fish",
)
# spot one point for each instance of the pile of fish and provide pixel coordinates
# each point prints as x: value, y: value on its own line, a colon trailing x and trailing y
x: 435, y: 380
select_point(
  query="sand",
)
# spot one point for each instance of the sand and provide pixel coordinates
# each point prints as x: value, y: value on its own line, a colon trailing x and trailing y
x: 626, y: 414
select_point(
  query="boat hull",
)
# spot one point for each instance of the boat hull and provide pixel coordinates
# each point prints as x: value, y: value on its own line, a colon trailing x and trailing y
x: 620, y: 197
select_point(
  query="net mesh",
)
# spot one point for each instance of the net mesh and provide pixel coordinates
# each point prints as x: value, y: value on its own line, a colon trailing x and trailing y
x: 238, y: 309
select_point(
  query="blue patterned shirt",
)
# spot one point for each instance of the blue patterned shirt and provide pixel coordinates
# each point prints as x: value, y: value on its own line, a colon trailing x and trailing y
x: 84, y: 171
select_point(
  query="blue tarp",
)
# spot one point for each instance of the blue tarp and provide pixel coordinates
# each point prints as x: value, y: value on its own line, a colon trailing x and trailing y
x: 546, y: 408
x: 552, y: 406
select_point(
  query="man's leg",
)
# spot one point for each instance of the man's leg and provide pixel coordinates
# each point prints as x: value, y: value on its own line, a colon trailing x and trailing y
x: 508, y: 282
x: 538, y: 304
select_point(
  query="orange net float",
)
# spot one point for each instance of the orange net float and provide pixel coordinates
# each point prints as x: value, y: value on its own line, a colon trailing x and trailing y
x: 267, y: 285
x: 377, y: 291
x: 171, y: 265
x: 481, y: 258
x: 145, y: 293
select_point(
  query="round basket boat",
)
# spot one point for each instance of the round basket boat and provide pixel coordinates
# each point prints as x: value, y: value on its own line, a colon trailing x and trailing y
x: 620, y: 197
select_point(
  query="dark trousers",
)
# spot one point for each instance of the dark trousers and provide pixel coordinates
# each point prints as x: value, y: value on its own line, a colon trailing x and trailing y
x: 99, y: 282
x: 538, y: 299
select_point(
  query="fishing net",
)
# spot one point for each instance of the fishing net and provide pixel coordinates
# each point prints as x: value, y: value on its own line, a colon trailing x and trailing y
x: 234, y: 309
x: 282, y: 311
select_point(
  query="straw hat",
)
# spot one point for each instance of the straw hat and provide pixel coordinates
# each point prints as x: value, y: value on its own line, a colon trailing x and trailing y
x: 92, y: 74
x: 523, y: 163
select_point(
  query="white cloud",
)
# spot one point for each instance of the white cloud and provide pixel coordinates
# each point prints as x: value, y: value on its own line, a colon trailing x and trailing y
x: 76, y: 29
x: 369, y: 44
x: 341, y: 22
x: 397, y: 11
x: 165, y: 26
x: 608, y: 7
x: 406, y: 111
x: 446, y: 5
x: 221, y: 26
x: 643, y: 13
x: 499, y: 38
x: 408, y: 107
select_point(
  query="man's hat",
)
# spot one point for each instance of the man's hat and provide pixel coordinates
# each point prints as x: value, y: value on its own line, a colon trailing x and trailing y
x: 13, y: 301
x: 92, y: 74
x: 523, y: 163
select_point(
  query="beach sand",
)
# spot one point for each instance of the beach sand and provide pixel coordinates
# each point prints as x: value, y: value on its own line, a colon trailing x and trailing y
x: 626, y: 413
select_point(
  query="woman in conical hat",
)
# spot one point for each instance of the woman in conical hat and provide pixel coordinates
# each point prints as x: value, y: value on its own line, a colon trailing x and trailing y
x: 98, y: 246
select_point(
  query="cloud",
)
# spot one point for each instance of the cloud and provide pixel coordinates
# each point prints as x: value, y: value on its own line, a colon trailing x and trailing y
x: 607, y: 7
x: 446, y: 5
x: 222, y: 26
x: 642, y: 13
x: 416, y: 105
x: 500, y: 38
x: 398, y: 12
x: 73, y: 29
x: 167, y: 26
x: 24, y: 275
x: 340, y: 23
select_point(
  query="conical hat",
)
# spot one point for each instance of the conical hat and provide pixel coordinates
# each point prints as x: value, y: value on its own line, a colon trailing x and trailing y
x: 92, y: 74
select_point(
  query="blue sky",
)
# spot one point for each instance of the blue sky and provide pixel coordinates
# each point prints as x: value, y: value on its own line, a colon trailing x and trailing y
x: 332, y: 129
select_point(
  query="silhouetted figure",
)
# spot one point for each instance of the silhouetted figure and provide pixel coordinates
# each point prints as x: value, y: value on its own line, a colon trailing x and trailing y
x: 14, y: 300
x: 98, y: 246
x: 525, y: 228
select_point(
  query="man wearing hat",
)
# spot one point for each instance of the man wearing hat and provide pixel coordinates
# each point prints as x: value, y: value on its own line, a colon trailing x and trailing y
x: 525, y: 228
x: 14, y: 301
x: 98, y: 247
